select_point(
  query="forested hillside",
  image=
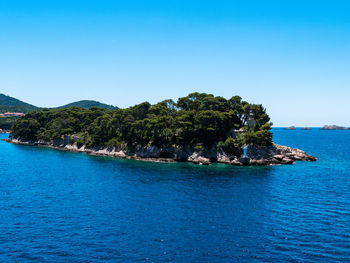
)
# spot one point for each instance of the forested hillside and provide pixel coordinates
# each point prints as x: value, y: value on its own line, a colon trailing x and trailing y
x: 87, y: 104
x: 9, y: 104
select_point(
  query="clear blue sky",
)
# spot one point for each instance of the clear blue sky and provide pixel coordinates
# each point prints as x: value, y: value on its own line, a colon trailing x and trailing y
x: 292, y: 56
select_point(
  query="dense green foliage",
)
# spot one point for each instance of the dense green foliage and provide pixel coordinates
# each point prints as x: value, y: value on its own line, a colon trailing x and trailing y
x: 87, y: 104
x: 7, y: 123
x: 196, y: 120
x: 23, y: 109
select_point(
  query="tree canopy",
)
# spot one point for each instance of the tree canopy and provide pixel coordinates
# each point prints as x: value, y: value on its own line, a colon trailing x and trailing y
x: 198, y: 119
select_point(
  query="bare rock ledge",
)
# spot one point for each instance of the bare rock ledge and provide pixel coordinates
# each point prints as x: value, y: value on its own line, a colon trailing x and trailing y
x: 268, y: 155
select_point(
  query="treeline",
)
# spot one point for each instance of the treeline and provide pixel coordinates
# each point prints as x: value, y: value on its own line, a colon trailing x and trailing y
x: 197, y: 120
x: 17, y: 108
x: 6, y: 123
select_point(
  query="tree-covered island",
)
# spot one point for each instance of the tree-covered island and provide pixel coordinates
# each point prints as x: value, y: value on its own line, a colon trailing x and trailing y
x: 199, y: 128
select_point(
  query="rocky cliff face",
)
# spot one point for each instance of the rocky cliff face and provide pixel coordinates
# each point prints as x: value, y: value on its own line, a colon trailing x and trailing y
x: 268, y: 155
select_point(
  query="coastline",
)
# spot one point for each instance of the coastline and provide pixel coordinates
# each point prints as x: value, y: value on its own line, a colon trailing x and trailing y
x: 268, y: 155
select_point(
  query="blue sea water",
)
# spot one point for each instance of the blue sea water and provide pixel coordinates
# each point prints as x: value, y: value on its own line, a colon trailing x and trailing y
x: 70, y: 207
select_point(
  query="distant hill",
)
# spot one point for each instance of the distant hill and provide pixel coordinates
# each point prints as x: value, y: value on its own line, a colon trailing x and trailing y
x: 10, y: 104
x: 87, y: 104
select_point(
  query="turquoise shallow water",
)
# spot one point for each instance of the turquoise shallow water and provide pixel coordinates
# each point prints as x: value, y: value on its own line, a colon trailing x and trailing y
x: 68, y: 207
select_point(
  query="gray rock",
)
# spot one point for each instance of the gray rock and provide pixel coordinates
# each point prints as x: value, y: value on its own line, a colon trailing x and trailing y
x: 244, y: 160
x: 257, y: 155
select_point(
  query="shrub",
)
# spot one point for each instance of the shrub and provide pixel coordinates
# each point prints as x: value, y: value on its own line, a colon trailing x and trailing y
x: 261, y: 137
x: 220, y: 145
x: 230, y: 146
x: 114, y: 143
x: 198, y: 148
x: 80, y: 143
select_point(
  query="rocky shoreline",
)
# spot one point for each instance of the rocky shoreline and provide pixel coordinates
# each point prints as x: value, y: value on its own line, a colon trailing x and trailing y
x: 269, y: 155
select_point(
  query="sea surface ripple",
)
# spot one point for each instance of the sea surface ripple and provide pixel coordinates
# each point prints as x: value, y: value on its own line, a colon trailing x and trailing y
x: 70, y: 207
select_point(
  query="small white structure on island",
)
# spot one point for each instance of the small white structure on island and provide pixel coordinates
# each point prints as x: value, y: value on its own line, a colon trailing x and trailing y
x: 250, y: 119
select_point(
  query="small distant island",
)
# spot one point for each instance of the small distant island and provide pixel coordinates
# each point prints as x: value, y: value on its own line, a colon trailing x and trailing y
x: 294, y: 128
x: 290, y: 128
x: 199, y: 128
x: 334, y: 127
x: 325, y: 127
